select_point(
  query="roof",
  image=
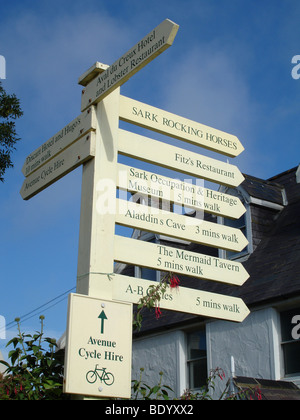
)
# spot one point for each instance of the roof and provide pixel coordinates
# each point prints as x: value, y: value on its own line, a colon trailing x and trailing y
x: 266, y: 390
x: 264, y: 190
x: 274, y: 265
x: 290, y: 183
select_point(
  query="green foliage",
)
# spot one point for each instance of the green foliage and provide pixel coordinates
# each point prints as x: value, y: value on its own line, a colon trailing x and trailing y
x: 153, y: 298
x: 10, y: 110
x: 142, y: 391
x: 205, y: 393
x: 35, y: 371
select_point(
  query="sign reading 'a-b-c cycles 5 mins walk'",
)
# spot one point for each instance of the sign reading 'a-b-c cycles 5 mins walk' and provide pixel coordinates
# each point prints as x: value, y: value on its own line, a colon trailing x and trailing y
x: 98, y: 361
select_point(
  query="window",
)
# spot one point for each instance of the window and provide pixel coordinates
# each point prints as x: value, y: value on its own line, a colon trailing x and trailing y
x: 243, y: 224
x: 197, y: 359
x: 144, y: 272
x: 290, y: 341
x: 237, y: 224
x: 147, y: 274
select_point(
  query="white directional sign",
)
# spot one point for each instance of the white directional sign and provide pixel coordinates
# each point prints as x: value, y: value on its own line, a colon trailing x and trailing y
x: 178, y: 159
x: 59, y: 166
x: 178, y: 192
x: 99, y: 334
x: 180, y: 261
x: 197, y: 302
x: 64, y: 138
x: 98, y: 350
x: 181, y: 128
x: 180, y: 227
x: 157, y: 41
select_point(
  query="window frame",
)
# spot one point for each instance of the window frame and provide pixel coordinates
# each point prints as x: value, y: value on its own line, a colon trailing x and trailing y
x: 286, y: 342
x: 190, y: 361
x: 138, y: 273
x: 224, y: 254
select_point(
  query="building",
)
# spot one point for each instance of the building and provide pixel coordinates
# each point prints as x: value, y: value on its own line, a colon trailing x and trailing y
x: 267, y: 344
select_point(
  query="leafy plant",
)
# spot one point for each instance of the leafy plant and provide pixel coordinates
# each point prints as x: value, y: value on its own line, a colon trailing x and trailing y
x: 35, y: 371
x: 142, y: 391
x: 205, y: 393
x: 153, y: 298
x: 10, y: 110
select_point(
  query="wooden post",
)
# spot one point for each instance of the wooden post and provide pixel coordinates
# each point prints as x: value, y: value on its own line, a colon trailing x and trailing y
x: 97, y: 228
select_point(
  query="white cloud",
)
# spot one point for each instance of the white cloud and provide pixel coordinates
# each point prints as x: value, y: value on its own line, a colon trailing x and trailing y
x: 208, y: 86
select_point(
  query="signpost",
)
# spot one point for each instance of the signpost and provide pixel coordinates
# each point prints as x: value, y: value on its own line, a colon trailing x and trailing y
x: 191, y: 301
x: 178, y: 226
x: 98, y: 361
x: 99, y: 334
x: 78, y: 128
x: 156, y: 42
x: 182, y: 160
x: 175, y: 191
x: 59, y: 166
x: 178, y: 127
x: 167, y: 259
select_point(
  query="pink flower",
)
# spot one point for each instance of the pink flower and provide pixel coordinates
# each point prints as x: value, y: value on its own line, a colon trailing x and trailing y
x: 158, y: 312
x: 258, y: 394
x: 222, y: 374
x: 174, y: 282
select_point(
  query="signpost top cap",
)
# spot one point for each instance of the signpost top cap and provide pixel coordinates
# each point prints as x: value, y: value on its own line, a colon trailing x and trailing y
x: 91, y: 73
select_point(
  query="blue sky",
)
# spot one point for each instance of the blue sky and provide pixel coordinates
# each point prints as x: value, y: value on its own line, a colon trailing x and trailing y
x: 229, y: 67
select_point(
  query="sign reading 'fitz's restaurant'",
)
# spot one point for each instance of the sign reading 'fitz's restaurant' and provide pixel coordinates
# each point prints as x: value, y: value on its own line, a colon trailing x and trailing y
x: 184, y: 161
x: 99, y: 334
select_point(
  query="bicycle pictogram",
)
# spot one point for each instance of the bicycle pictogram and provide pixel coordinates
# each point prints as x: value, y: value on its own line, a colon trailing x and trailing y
x: 106, y: 377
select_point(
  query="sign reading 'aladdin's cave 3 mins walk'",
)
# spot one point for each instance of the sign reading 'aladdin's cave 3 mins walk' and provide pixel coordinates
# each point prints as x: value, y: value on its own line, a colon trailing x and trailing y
x: 181, y: 227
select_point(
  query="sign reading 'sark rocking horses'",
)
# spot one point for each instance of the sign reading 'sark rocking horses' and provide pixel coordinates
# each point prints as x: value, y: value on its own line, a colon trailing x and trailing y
x: 98, y: 360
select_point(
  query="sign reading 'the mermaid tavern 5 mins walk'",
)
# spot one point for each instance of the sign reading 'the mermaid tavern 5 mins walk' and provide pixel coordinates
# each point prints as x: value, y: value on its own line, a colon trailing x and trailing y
x: 99, y: 333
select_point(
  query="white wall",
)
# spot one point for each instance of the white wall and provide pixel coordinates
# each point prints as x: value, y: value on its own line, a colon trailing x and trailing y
x: 254, y: 344
x: 161, y: 353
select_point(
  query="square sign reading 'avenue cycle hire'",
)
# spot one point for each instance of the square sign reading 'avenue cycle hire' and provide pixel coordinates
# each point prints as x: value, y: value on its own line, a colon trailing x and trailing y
x: 98, y: 350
